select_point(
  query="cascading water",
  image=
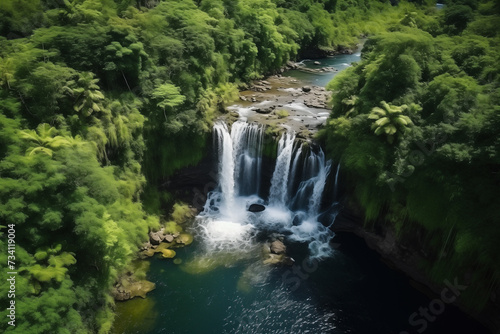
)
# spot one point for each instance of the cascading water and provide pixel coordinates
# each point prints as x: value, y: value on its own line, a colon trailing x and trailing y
x: 279, y: 183
x: 293, y: 206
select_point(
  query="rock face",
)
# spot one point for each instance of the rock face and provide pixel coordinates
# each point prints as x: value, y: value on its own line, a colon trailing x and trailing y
x: 256, y: 208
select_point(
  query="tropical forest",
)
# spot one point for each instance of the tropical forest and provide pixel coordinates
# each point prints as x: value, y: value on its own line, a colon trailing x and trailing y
x: 250, y: 166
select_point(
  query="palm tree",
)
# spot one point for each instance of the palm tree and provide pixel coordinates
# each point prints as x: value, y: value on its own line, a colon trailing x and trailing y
x: 390, y: 120
x: 88, y: 95
x: 44, y: 140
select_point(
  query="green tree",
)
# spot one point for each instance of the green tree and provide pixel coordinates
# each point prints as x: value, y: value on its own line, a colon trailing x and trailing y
x: 44, y: 139
x: 389, y: 120
x: 88, y: 96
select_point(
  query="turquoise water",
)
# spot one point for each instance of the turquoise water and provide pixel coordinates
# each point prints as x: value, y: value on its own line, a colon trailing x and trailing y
x: 339, y: 62
x: 352, y: 292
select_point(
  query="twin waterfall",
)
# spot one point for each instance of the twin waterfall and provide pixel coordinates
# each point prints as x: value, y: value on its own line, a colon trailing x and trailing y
x: 292, y: 202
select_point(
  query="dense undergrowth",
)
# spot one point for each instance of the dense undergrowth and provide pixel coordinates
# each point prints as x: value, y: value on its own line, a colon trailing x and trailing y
x: 417, y: 123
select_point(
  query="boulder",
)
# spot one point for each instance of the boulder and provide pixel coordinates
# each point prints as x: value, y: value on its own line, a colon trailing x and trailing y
x: 155, y: 238
x: 256, y: 208
x: 264, y: 110
x: 277, y: 247
x: 317, y: 63
x: 306, y: 89
x: 169, y: 238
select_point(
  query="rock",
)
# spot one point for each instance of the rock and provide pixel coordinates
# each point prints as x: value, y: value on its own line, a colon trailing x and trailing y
x: 146, y: 246
x: 242, y: 98
x: 304, y: 134
x: 273, y: 259
x: 184, y: 238
x: 317, y: 63
x: 306, y: 89
x: 168, y: 253
x: 169, y: 238
x: 254, y: 99
x: 265, y: 110
x: 277, y: 247
x: 288, y: 261
x: 155, y: 238
x: 256, y: 208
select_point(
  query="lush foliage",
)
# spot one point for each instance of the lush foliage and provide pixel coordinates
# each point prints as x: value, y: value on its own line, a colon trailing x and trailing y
x: 433, y: 173
x: 99, y: 95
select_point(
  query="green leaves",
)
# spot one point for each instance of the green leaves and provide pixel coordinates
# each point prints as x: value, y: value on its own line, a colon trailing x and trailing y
x: 168, y: 95
x: 43, y: 140
x: 88, y: 96
x: 389, y: 120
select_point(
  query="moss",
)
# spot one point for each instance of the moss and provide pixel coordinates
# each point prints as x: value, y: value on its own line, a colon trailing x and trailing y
x: 172, y: 227
x: 168, y: 253
x: 185, y: 239
x: 181, y: 213
x: 282, y: 113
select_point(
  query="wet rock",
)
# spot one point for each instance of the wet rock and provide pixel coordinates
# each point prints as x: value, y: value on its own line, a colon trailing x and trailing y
x: 306, y: 89
x: 273, y: 259
x: 256, y: 208
x: 278, y: 247
x: 265, y: 110
x: 288, y: 261
x: 243, y: 98
x: 317, y: 63
x: 169, y: 238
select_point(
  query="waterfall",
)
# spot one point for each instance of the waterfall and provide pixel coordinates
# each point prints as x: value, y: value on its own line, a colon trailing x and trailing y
x: 294, y: 203
x: 312, y: 183
x: 247, y: 156
x: 226, y: 165
x: 279, y: 182
x: 336, y: 186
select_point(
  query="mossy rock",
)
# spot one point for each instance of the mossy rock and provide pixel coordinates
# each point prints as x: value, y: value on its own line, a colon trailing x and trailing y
x: 282, y: 113
x: 184, y: 238
x: 177, y: 261
x: 168, y: 253
x: 140, y: 288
